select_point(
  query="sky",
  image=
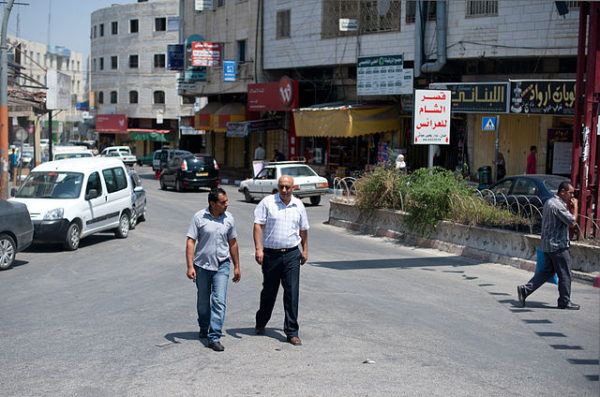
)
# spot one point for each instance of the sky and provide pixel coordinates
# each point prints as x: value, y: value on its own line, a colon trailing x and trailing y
x: 70, y: 21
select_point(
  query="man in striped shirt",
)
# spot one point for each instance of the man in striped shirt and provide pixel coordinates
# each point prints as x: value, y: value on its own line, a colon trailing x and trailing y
x: 280, y: 226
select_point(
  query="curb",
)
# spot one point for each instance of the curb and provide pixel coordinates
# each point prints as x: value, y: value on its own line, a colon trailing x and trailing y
x: 468, y: 252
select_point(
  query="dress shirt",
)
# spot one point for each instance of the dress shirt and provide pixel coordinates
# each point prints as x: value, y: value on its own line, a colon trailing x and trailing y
x: 282, y: 223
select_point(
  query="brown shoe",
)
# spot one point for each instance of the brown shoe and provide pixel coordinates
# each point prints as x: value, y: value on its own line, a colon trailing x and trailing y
x: 294, y: 340
x: 259, y: 330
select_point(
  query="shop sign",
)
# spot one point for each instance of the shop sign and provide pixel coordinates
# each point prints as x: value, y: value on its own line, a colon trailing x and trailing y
x: 195, y: 75
x: 237, y: 129
x: 243, y: 128
x: 380, y: 75
x: 228, y: 70
x: 175, y: 55
x: 476, y: 97
x: 187, y: 130
x: 348, y: 25
x: 542, y: 97
x: 432, y: 117
x: 206, y: 53
x: 111, y: 122
x: 275, y: 96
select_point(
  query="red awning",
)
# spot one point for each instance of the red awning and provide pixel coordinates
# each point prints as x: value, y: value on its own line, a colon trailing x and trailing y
x: 110, y: 131
x: 147, y: 130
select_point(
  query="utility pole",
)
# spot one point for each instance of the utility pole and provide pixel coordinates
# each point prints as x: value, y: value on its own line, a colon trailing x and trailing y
x: 4, y: 177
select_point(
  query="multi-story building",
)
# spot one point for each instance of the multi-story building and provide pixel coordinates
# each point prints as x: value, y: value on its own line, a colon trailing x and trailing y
x: 515, y: 60
x: 129, y: 75
x: 32, y: 61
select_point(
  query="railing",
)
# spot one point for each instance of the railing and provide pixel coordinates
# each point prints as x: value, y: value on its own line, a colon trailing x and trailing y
x: 343, y: 189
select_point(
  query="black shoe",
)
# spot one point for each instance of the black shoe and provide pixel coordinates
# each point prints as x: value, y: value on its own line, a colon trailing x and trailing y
x: 570, y: 306
x: 521, y: 293
x: 259, y: 330
x: 202, y: 335
x: 216, y: 346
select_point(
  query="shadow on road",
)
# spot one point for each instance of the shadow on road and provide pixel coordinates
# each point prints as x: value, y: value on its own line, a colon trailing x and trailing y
x: 400, y: 263
x: 269, y: 332
x: 172, y: 337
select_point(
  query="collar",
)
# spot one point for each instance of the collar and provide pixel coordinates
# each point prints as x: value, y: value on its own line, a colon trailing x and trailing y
x: 207, y: 213
x: 278, y: 200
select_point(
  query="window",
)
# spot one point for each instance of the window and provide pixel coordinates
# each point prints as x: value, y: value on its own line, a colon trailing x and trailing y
x: 133, y: 61
x: 573, y: 5
x: 114, y: 179
x: 100, y: 97
x: 371, y: 16
x: 159, y: 97
x: 133, y: 97
x: 428, y: 7
x: 101, y: 30
x: 159, y: 60
x: 101, y: 63
x: 241, y: 50
x: 525, y: 186
x: 114, y: 27
x: 114, y: 62
x: 95, y: 31
x: 134, y: 26
x: 220, y: 3
x: 283, y: 24
x: 160, y: 24
x: 482, y: 8
x: 93, y: 183
x: 113, y: 97
x: 94, y: 65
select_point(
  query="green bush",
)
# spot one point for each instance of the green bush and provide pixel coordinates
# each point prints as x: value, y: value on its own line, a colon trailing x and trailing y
x: 382, y: 188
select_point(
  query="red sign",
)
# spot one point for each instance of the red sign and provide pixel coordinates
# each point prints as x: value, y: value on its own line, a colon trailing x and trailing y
x: 205, y: 53
x: 282, y: 95
x: 111, y: 122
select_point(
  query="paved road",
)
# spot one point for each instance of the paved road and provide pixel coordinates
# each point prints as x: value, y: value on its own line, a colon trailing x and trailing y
x: 117, y: 317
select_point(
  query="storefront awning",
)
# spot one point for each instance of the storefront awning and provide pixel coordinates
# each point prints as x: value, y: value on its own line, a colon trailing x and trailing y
x: 230, y: 112
x: 110, y: 131
x: 144, y: 134
x: 346, y: 122
x: 205, y: 118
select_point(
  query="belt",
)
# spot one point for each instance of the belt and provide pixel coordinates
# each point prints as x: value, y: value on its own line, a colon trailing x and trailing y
x: 281, y: 250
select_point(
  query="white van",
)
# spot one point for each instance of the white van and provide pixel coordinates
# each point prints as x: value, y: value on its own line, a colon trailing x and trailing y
x: 71, y: 199
x: 69, y: 152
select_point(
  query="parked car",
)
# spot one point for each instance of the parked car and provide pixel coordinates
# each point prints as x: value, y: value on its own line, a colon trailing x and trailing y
x: 124, y: 152
x: 190, y: 171
x: 520, y: 192
x: 166, y: 155
x: 138, y: 199
x: 16, y: 231
x: 71, y: 199
x: 70, y: 152
x: 156, y: 160
x: 307, y: 183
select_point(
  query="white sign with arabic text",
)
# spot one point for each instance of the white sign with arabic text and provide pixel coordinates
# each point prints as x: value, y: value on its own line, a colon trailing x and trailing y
x: 432, y: 117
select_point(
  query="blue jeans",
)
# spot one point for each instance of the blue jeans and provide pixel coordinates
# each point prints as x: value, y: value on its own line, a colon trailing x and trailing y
x: 212, y: 294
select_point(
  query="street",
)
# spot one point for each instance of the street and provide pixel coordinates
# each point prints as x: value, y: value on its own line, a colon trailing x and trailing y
x: 117, y: 318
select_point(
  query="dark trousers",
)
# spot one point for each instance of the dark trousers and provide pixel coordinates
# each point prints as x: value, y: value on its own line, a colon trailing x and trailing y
x: 284, y: 268
x: 558, y: 262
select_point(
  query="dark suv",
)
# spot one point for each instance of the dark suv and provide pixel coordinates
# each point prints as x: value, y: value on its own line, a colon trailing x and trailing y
x: 190, y: 171
x: 167, y: 155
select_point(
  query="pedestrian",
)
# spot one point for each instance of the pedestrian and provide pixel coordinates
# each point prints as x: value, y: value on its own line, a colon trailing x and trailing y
x: 259, y: 152
x: 280, y: 225
x: 531, y: 160
x: 278, y: 156
x: 211, y: 246
x: 501, y: 167
x: 556, y: 220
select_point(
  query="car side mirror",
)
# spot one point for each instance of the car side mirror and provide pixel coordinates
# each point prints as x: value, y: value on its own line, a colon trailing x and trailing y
x: 92, y: 194
x: 138, y: 189
x: 13, y: 192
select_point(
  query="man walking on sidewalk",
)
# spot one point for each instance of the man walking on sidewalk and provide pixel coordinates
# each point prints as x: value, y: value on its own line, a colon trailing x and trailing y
x: 208, y: 264
x: 280, y: 225
x: 556, y: 220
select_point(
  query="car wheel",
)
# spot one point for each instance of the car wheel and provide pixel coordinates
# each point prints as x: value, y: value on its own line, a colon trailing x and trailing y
x: 248, y: 196
x: 162, y: 184
x: 133, y: 220
x: 315, y: 200
x: 178, y: 185
x: 8, y: 251
x: 142, y: 216
x: 72, y: 237
x: 123, y: 230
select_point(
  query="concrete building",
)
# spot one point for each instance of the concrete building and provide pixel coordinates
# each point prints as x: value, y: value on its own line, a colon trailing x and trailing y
x: 129, y: 74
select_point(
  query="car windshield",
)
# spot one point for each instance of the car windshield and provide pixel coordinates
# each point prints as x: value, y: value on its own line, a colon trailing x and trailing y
x: 552, y: 184
x: 51, y: 184
x: 298, y: 171
x: 62, y: 156
x: 125, y: 151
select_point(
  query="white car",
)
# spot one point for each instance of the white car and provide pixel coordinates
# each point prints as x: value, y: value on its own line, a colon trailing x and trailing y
x: 123, y: 152
x: 307, y: 183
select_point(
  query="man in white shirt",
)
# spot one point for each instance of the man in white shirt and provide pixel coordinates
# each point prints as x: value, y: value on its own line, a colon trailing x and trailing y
x: 280, y: 225
x: 259, y: 152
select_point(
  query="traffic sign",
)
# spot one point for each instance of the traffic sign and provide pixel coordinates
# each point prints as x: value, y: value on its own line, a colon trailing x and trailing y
x: 489, y: 123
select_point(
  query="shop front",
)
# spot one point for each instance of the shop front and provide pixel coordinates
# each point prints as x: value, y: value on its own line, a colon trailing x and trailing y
x: 148, y: 140
x: 112, y: 130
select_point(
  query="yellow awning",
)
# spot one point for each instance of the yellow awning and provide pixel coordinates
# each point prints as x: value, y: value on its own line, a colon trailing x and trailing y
x: 346, y: 122
x: 204, y: 119
x: 234, y: 111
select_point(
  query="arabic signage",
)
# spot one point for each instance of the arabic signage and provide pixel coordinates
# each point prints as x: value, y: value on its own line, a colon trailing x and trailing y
x: 206, y: 53
x: 242, y: 128
x: 228, y: 70
x: 281, y: 95
x: 111, y: 122
x: 380, y: 75
x: 432, y: 117
x: 476, y: 97
x: 175, y: 54
x: 542, y: 97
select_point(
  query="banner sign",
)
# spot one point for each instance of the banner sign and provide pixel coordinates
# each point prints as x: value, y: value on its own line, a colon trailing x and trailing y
x: 111, y: 122
x: 243, y: 128
x: 206, y: 53
x: 476, y: 97
x: 175, y: 56
x: 542, y: 97
x: 282, y: 95
x: 380, y: 75
x: 432, y: 117
x: 59, y: 90
x: 228, y: 70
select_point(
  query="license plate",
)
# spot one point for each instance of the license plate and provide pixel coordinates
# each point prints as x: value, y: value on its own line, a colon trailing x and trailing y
x: 201, y: 173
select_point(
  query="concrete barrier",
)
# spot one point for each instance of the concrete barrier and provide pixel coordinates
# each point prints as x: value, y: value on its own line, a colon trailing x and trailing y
x: 488, y: 244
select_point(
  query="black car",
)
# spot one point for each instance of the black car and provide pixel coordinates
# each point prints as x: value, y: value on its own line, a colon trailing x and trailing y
x: 190, y: 171
x: 138, y: 199
x: 16, y: 231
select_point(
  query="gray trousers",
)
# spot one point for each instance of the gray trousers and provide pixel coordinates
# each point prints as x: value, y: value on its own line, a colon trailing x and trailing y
x: 558, y: 262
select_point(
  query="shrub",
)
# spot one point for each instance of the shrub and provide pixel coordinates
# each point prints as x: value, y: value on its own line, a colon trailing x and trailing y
x: 382, y: 188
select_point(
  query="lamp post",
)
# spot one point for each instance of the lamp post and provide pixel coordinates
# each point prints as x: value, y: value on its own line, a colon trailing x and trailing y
x: 4, y: 177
